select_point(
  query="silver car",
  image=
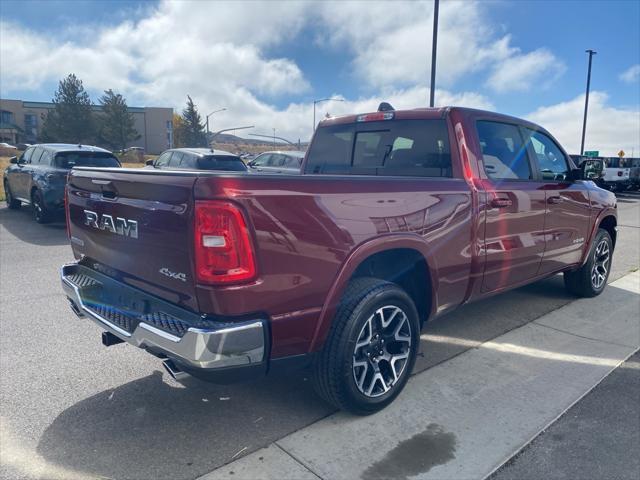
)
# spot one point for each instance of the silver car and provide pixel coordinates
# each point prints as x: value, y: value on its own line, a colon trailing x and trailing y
x: 277, y: 162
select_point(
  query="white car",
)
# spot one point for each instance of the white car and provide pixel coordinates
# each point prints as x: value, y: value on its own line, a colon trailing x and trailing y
x: 6, y: 145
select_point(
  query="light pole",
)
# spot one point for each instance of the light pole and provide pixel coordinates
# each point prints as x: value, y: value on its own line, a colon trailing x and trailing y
x: 586, y: 101
x: 274, y: 138
x: 271, y: 136
x: 315, y: 102
x: 434, y: 50
x: 215, y: 111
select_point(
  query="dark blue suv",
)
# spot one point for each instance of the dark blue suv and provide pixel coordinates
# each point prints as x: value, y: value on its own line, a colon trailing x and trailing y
x: 39, y: 175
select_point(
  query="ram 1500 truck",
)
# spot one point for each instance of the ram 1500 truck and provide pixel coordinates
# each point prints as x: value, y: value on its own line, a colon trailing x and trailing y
x: 397, y: 218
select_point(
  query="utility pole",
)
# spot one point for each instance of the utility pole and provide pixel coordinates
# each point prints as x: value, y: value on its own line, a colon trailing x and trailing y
x: 434, y: 50
x: 586, y: 101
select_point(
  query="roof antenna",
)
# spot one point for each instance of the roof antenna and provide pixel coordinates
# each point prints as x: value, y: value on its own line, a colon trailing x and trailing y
x: 385, y: 107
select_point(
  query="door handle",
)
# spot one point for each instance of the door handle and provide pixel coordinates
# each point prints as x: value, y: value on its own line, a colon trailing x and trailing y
x: 501, y: 202
x: 554, y: 200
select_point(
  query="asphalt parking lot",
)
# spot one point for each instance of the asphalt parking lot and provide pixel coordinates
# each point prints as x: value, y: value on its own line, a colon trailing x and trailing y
x: 74, y: 409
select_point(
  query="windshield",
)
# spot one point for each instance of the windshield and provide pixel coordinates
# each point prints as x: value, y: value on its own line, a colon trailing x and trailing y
x: 225, y: 163
x: 68, y: 160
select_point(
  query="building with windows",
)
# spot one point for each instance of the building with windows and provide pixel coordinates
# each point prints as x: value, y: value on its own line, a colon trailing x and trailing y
x: 21, y: 121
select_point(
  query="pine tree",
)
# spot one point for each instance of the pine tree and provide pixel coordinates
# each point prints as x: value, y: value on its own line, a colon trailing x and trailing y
x: 71, y: 120
x: 116, y: 124
x: 194, y: 135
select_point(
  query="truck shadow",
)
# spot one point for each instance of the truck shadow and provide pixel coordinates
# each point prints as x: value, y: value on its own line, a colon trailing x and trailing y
x: 20, y: 224
x: 155, y: 428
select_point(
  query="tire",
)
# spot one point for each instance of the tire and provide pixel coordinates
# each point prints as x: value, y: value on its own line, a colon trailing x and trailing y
x: 12, y: 203
x: 356, y: 370
x: 591, y: 279
x: 40, y: 213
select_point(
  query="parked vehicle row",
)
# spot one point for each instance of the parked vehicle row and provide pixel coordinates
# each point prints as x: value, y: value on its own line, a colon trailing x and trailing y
x: 396, y: 218
x: 38, y: 176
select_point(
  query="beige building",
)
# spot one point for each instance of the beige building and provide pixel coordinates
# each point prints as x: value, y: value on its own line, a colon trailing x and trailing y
x: 21, y: 121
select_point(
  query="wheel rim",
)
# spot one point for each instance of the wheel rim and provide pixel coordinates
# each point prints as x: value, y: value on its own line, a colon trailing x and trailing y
x: 600, y: 269
x: 37, y: 206
x: 382, y: 351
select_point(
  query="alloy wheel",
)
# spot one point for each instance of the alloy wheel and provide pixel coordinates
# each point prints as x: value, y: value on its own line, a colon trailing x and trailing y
x: 601, y: 260
x: 382, y: 351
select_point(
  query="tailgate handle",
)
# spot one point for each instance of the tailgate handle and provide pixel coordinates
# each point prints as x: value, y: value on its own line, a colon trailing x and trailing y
x: 108, y: 194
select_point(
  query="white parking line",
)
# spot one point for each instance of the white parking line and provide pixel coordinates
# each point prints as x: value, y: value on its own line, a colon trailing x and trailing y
x: 465, y: 417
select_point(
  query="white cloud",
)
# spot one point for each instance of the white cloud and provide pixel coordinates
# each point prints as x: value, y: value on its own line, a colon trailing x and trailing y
x: 609, y: 129
x: 520, y: 72
x: 631, y: 75
x: 220, y: 53
x: 391, y: 44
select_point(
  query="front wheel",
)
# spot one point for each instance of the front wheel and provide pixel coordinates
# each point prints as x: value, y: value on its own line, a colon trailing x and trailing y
x: 371, y: 348
x: 590, y: 279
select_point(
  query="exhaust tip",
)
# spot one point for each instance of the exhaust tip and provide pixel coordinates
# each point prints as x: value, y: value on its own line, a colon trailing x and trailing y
x: 173, y: 370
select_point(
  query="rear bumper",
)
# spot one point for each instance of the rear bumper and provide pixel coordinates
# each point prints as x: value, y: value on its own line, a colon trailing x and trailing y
x: 199, y: 345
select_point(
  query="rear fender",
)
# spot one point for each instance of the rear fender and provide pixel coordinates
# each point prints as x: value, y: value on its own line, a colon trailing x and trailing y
x: 357, y: 256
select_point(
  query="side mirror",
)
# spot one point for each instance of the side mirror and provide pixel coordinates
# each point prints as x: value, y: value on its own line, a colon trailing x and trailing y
x: 149, y: 163
x: 13, y: 160
x: 591, y: 170
x: 252, y: 163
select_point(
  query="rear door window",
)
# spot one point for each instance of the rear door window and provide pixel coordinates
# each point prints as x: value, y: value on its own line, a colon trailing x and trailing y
x: 504, y: 153
x: 392, y: 148
x: 176, y: 159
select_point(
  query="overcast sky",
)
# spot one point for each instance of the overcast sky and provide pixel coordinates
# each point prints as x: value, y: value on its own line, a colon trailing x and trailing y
x: 267, y: 61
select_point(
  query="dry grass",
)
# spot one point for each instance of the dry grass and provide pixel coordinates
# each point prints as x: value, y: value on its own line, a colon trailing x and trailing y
x: 4, y: 163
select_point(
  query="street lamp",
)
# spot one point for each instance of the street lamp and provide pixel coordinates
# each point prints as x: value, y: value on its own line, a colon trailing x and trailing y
x: 586, y: 101
x: 315, y: 102
x: 215, y: 111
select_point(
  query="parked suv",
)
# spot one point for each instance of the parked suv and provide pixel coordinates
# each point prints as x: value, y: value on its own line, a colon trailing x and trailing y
x: 38, y: 176
x: 277, y: 162
x: 198, y: 159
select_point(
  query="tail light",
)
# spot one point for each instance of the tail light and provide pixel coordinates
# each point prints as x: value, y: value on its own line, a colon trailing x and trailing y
x: 223, y: 248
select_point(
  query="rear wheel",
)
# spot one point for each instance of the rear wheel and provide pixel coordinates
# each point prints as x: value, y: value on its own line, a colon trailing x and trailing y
x: 12, y: 203
x: 591, y: 279
x: 371, y: 348
x: 40, y: 213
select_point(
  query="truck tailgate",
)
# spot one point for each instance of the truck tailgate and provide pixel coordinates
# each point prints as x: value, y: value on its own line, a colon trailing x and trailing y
x: 136, y: 226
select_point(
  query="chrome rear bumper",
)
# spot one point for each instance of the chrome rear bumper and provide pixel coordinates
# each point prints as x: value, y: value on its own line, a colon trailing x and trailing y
x: 161, y: 327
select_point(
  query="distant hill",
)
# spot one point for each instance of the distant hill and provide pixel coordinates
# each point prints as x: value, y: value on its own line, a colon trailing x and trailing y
x: 235, y: 144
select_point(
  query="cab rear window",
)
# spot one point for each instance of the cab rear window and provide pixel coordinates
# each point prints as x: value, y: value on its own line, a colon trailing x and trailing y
x: 392, y: 148
x: 68, y: 160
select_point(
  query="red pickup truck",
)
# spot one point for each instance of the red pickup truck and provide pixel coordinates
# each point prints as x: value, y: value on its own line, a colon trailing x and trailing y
x: 397, y: 218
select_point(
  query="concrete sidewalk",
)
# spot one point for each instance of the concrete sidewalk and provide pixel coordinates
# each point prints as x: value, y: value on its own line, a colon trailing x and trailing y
x: 465, y: 417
